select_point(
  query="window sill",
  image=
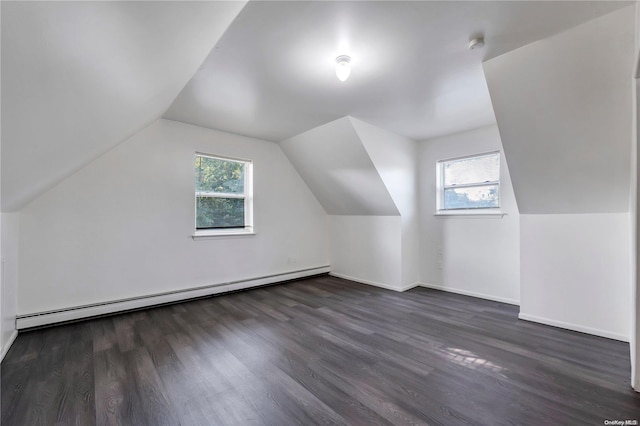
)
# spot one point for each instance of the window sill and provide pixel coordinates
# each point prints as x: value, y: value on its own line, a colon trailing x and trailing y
x: 471, y: 213
x: 223, y: 233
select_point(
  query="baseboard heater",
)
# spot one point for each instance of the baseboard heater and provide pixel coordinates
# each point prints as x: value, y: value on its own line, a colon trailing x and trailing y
x: 39, y: 319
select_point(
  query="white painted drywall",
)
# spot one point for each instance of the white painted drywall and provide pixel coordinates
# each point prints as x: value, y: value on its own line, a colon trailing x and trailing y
x: 395, y: 159
x: 337, y: 168
x: 633, y: 234
x: 564, y: 109
x: 365, y: 177
x: 634, y: 340
x: 367, y: 249
x: 9, y: 249
x: 471, y: 255
x: 575, y: 272
x: 80, y: 77
x: 121, y: 227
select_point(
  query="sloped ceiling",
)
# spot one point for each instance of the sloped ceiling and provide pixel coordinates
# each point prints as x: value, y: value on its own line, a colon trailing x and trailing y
x: 272, y: 76
x: 564, y: 110
x: 80, y: 77
x: 336, y: 167
x: 395, y: 160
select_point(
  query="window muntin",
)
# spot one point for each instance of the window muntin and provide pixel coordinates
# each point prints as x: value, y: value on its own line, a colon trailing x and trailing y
x: 469, y: 183
x: 222, y: 193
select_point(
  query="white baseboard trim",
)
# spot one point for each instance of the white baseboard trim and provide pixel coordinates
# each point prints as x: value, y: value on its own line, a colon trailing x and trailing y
x: 471, y: 293
x: 7, y: 345
x: 373, y: 283
x: 79, y: 312
x: 574, y: 327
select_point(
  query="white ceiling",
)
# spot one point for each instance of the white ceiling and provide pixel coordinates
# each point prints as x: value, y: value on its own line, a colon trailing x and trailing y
x: 80, y: 77
x: 272, y: 76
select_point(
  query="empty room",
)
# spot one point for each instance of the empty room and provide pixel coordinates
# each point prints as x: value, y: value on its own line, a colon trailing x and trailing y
x: 319, y: 212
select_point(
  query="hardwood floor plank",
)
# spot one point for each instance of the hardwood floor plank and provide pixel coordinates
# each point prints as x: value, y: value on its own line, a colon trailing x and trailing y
x: 79, y: 405
x: 113, y: 402
x: 150, y: 403
x: 316, y: 351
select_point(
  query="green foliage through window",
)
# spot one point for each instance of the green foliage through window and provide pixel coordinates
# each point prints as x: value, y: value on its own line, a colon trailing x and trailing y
x: 217, y: 175
x: 220, y: 193
x: 219, y: 212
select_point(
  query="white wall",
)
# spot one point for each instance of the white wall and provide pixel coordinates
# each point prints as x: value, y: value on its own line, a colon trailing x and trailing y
x: 81, y: 77
x: 395, y: 159
x: 634, y: 335
x: 565, y: 112
x: 634, y: 332
x: 367, y: 249
x: 9, y: 249
x: 121, y: 227
x: 336, y: 167
x: 364, y: 177
x: 477, y: 256
x: 575, y: 272
x: 564, y: 109
x: 8, y: 273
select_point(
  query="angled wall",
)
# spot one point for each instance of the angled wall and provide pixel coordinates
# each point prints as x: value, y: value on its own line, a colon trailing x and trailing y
x: 563, y: 106
x: 365, y: 178
x: 122, y: 226
x: 80, y: 77
x: 564, y: 110
x: 395, y: 159
x: 335, y: 165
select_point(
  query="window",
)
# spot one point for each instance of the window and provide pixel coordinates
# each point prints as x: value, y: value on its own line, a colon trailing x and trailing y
x: 223, y: 195
x: 469, y: 183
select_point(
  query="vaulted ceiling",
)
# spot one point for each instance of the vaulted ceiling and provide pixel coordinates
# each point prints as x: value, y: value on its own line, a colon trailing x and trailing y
x: 272, y: 74
x: 79, y: 78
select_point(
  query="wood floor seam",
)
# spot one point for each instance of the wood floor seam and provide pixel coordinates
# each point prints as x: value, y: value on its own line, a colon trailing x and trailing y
x: 319, y: 350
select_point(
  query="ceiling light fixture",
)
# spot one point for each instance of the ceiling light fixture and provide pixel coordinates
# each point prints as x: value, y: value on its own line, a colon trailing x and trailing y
x: 476, y: 43
x: 343, y: 67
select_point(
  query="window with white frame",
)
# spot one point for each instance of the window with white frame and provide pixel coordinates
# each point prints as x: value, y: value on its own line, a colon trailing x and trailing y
x: 469, y: 183
x: 223, y: 194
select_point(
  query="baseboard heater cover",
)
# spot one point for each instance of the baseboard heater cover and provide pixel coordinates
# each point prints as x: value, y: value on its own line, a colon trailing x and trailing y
x: 96, y: 309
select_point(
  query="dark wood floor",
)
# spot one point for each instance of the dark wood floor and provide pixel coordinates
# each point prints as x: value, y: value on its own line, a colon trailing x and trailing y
x: 316, y: 351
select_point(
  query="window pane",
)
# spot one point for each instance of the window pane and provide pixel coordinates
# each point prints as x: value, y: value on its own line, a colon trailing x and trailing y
x: 472, y: 170
x: 215, y: 175
x: 475, y: 197
x: 213, y: 212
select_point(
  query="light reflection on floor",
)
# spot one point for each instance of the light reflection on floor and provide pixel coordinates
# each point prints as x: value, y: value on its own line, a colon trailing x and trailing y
x: 469, y: 359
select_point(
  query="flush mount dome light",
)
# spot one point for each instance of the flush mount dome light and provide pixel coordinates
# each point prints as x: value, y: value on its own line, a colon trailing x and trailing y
x: 476, y: 43
x: 343, y: 67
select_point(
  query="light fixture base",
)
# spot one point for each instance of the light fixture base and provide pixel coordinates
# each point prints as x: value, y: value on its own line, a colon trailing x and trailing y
x: 476, y: 43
